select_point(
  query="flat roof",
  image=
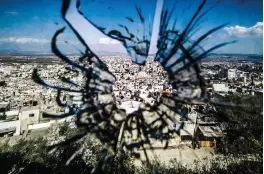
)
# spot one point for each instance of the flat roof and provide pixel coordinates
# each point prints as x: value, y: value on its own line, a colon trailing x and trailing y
x: 10, y: 129
x: 211, y: 131
x: 188, y: 129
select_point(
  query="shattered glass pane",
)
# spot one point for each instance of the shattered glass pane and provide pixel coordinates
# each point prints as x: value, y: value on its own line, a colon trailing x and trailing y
x: 132, y: 24
x: 178, y: 54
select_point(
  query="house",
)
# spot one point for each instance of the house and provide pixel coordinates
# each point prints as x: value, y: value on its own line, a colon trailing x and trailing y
x: 10, y: 128
x: 207, y: 135
x: 220, y: 88
x: 28, y: 116
x: 231, y: 74
x: 187, y: 133
x: 4, y: 107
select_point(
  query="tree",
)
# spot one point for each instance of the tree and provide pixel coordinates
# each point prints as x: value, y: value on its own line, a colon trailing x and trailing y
x: 244, y: 128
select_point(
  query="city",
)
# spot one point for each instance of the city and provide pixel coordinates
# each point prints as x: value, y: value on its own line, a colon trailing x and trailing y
x: 23, y: 101
x: 131, y: 86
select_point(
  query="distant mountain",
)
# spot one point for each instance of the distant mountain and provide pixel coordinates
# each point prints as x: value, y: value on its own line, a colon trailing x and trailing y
x: 40, y: 53
x: 20, y: 53
x: 108, y: 53
x: 247, y: 56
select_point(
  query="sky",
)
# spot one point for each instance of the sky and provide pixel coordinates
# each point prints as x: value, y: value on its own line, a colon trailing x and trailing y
x: 28, y: 25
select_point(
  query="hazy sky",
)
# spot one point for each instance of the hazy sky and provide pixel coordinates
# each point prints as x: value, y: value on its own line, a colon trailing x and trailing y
x: 28, y: 25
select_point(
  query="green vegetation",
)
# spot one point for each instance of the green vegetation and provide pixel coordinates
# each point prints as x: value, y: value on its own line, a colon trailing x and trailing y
x: 239, y: 152
x: 244, y: 131
x: 32, y: 156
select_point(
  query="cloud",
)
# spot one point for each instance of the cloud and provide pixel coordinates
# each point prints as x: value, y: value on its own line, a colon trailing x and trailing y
x: 12, y: 13
x: 240, y: 31
x: 105, y: 40
x: 24, y: 40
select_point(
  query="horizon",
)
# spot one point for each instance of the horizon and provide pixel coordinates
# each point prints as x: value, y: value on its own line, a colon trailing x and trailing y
x: 31, y: 30
x: 35, y: 53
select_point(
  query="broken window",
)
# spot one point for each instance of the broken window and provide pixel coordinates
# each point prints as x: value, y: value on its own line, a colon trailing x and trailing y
x: 179, y: 51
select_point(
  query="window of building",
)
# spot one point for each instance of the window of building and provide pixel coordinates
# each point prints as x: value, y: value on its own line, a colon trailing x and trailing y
x: 31, y: 115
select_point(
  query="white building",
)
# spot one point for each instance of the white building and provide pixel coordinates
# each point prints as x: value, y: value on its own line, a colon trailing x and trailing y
x: 231, y: 74
x: 189, y: 126
x: 28, y: 116
x: 9, y: 127
x: 220, y: 88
